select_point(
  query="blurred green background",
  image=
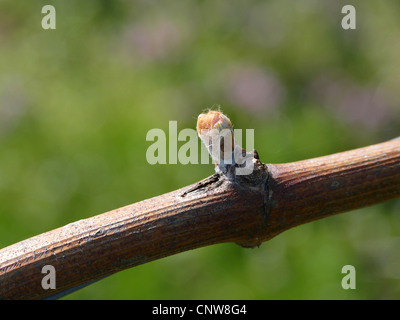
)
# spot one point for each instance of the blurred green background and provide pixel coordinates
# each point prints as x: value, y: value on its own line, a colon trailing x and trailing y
x: 76, y: 104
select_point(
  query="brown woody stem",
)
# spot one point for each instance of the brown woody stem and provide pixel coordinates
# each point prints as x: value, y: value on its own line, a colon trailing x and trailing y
x: 244, y: 209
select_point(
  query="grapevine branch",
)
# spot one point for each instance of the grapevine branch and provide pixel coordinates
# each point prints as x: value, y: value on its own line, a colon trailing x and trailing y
x: 247, y: 210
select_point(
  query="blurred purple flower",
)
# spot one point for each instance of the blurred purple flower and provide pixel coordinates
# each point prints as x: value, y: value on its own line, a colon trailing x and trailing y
x: 153, y: 41
x: 13, y: 104
x: 360, y: 105
x: 253, y: 89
